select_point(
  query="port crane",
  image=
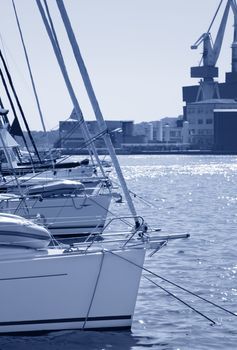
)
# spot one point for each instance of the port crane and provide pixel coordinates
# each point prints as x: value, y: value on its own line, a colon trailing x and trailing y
x: 208, y: 88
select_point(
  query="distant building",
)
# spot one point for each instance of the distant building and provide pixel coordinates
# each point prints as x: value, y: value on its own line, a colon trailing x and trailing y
x: 172, y: 129
x: 71, y: 134
x: 144, y: 129
x: 157, y: 131
x: 43, y: 140
x: 169, y: 133
x: 168, y: 129
x: 200, y: 116
x: 165, y: 134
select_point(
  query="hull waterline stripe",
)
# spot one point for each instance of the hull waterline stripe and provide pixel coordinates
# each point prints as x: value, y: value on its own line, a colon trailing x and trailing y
x: 28, y: 277
x: 67, y: 320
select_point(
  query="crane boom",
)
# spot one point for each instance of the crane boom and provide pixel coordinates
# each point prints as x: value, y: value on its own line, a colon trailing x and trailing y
x: 220, y: 34
x: 211, y: 51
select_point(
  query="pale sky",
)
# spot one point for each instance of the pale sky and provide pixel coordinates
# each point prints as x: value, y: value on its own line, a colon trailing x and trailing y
x: 137, y: 53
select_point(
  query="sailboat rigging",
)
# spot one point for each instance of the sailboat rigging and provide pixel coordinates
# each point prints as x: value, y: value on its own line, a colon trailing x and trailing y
x: 82, y: 285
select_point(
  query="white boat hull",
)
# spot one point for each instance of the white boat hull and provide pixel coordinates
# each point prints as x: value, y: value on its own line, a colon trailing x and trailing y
x: 10, y: 186
x: 68, y: 291
x: 72, y: 173
x: 63, y: 216
x: 59, y: 173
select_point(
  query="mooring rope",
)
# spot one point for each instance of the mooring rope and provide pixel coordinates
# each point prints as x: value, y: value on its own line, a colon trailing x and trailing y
x: 179, y: 299
x: 174, y: 284
x: 94, y: 291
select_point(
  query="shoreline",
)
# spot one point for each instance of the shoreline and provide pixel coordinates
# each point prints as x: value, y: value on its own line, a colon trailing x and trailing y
x: 122, y: 152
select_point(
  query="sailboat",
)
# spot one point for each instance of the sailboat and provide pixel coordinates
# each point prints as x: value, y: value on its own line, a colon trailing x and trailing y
x: 31, y: 162
x: 87, y: 285
x: 64, y: 207
x: 45, y: 289
x: 26, y: 165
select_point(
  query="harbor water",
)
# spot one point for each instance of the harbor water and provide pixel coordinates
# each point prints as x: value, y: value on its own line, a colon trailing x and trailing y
x: 180, y: 194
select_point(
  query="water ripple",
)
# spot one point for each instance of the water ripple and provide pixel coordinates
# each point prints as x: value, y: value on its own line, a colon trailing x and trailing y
x: 182, y: 194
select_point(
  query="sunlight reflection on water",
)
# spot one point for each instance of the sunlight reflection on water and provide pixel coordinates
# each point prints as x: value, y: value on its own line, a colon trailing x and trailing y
x: 182, y: 194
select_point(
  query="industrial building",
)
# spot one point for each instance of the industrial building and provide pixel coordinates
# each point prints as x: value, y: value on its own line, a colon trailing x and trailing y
x: 165, y: 134
x: 203, y: 99
x: 71, y: 136
x: 208, y: 88
x: 168, y: 130
x: 144, y: 129
x: 169, y: 134
x: 200, y: 117
x: 172, y: 129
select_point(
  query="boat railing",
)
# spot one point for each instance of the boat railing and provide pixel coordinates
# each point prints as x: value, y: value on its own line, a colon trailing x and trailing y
x: 123, y: 219
x: 138, y: 229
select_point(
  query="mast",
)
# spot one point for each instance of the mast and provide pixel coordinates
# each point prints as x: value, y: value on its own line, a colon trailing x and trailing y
x: 29, y: 68
x: 53, y: 38
x: 15, y: 114
x: 19, y: 105
x: 10, y: 162
x: 95, y: 106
